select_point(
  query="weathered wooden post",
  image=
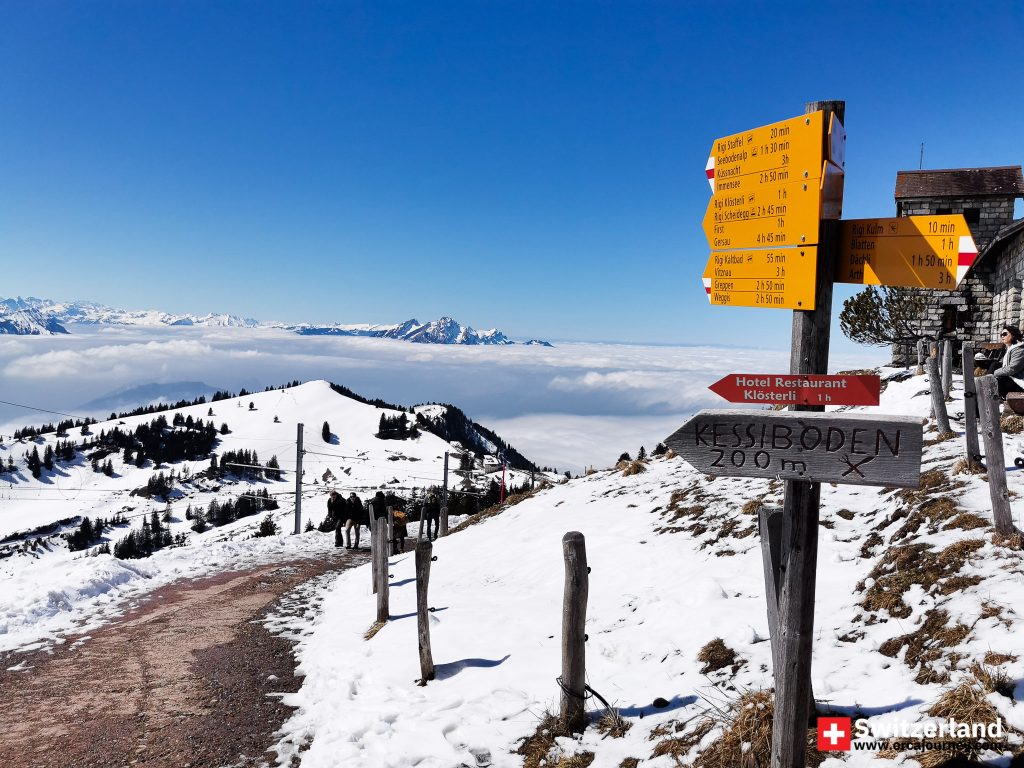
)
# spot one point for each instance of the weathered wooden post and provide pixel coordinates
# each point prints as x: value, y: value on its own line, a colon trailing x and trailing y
x: 380, y: 528
x: 935, y: 388
x: 947, y: 367
x: 419, y: 526
x: 443, y: 530
x: 769, y: 523
x: 970, y: 409
x: 424, y: 550
x: 920, y: 358
x: 574, y: 616
x: 374, y: 546
x: 988, y: 404
x: 799, y: 555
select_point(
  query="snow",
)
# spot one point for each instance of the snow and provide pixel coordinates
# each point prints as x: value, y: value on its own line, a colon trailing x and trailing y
x: 660, y: 589
x: 655, y: 600
x: 47, y: 591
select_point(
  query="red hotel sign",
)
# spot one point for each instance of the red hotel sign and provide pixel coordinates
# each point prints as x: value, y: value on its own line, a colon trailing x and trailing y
x: 798, y: 389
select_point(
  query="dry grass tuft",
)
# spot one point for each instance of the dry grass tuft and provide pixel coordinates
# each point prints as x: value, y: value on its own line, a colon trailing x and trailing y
x: 630, y: 762
x: 933, y: 478
x: 965, y: 703
x: 1011, y: 425
x: 376, y: 627
x: 993, y: 679
x: 751, y: 507
x: 995, y: 659
x: 964, y: 467
x: 747, y: 733
x: 716, y: 655
x: 1013, y: 541
x: 634, y: 467
x: 927, y: 645
x: 536, y: 749
x: 670, y: 454
x: 845, y: 514
x: 676, y: 742
x: 968, y: 521
x: 903, y: 566
x: 613, y: 724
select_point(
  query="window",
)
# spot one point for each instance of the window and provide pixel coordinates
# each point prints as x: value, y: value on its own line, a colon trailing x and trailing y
x: 943, y: 211
x: 949, y: 318
x: 972, y: 215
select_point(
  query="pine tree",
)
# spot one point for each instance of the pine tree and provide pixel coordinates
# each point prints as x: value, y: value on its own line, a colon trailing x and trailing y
x: 48, y: 457
x: 325, y: 433
x: 641, y: 454
x: 108, y: 468
x: 267, y: 527
x: 880, y: 315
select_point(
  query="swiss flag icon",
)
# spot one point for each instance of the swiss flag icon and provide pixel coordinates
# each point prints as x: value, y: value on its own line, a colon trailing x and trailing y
x: 834, y: 734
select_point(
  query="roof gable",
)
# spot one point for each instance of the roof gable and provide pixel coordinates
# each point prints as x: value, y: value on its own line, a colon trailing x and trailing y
x: 961, y: 182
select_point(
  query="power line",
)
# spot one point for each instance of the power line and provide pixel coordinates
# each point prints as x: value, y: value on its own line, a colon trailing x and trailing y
x: 42, y: 410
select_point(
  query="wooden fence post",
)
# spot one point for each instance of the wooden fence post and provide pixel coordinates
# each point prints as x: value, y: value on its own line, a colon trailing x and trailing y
x: 374, y: 546
x: 988, y: 404
x: 935, y: 387
x: 380, y: 528
x: 424, y: 550
x: 574, y: 616
x: 970, y: 409
x: 920, y: 358
x: 947, y: 367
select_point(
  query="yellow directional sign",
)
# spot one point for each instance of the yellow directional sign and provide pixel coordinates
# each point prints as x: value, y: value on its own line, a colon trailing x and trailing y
x: 787, y: 151
x: 909, y: 251
x: 836, y: 141
x: 773, y: 216
x: 782, y: 278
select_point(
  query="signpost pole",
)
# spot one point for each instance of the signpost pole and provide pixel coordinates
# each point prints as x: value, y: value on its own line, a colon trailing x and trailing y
x: 808, y: 354
x: 970, y: 409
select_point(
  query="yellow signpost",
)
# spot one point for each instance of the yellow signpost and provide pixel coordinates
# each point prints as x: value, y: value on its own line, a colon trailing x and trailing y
x: 775, y: 215
x: 909, y: 251
x: 781, y: 278
x: 786, y: 151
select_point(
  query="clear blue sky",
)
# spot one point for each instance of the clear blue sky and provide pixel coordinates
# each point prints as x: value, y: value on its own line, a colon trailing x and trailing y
x: 538, y: 166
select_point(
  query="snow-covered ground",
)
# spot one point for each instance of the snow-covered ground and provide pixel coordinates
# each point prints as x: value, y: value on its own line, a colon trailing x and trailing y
x: 676, y: 563
x: 47, y: 591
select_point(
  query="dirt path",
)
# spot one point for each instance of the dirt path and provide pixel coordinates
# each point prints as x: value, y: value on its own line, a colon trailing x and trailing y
x: 183, y: 680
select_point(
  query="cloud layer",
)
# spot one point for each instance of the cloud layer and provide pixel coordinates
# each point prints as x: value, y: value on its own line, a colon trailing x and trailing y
x: 568, y: 406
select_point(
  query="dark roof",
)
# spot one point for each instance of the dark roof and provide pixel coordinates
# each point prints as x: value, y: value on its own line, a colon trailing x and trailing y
x: 1004, y: 237
x: 960, y: 182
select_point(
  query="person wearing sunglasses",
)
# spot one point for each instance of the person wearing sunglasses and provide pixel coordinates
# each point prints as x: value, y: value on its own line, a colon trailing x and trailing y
x: 1010, y: 373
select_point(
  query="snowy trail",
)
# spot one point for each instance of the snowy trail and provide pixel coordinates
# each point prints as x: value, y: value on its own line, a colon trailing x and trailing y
x: 187, y: 678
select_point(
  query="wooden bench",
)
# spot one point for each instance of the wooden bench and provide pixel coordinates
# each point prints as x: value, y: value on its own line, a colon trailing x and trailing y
x: 1015, y: 402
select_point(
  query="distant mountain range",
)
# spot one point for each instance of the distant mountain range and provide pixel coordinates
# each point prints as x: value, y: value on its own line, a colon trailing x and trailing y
x: 31, y: 316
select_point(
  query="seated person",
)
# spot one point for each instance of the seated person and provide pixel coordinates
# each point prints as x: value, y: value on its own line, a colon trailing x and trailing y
x: 1010, y: 373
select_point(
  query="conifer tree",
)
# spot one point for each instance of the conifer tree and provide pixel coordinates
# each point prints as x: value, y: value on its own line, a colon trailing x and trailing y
x: 48, y: 457
x: 325, y: 433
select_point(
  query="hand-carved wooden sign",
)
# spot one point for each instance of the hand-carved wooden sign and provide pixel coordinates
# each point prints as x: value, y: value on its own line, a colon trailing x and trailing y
x: 855, y: 449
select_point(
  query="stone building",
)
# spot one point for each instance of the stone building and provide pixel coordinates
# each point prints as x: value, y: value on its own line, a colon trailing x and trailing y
x: 990, y: 295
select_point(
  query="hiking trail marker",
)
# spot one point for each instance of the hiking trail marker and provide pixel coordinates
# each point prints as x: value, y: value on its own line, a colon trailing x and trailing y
x: 855, y: 449
x: 771, y: 187
x: 763, y: 277
x: 792, y: 389
x: 909, y: 251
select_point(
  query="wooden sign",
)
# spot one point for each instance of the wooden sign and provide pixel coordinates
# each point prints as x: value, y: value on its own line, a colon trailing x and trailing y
x: 909, y: 251
x: 786, y: 151
x: 854, y: 449
x: 798, y: 389
x: 781, y: 278
x: 832, y: 182
x: 836, y: 142
x: 774, y: 215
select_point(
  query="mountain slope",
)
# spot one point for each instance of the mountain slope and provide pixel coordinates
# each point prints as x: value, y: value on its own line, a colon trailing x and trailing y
x: 914, y: 589
x: 29, y: 322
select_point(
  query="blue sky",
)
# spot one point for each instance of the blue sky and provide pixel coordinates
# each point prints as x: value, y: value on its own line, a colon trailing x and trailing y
x: 538, y: 167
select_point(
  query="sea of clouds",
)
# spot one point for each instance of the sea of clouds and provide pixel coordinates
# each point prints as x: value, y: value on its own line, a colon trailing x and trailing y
x: 569, y: 406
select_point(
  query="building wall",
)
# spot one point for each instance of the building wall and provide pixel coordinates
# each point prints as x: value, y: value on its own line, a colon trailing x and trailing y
x: 994, y: 212
x: 1009, y: 278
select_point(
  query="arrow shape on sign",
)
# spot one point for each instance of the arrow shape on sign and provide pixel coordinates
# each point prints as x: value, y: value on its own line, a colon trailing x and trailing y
x: 709, y: 169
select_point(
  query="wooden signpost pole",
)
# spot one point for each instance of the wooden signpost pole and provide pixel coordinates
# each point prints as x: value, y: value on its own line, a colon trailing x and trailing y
x: 995, y: 460
x: 935, y: 388
x: 808, y: 354
x: 970, y: 409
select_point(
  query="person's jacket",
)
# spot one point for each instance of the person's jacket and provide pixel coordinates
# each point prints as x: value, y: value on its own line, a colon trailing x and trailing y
x: 1012, y: 364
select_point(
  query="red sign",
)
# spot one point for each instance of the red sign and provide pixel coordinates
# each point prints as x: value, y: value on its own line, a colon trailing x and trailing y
x: 834, y: 734
x: 798, y: 389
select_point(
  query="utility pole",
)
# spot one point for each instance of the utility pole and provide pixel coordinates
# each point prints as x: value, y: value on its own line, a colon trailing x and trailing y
x: 444, y: 500
x: 298, y: 479
x: 502, y: 499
